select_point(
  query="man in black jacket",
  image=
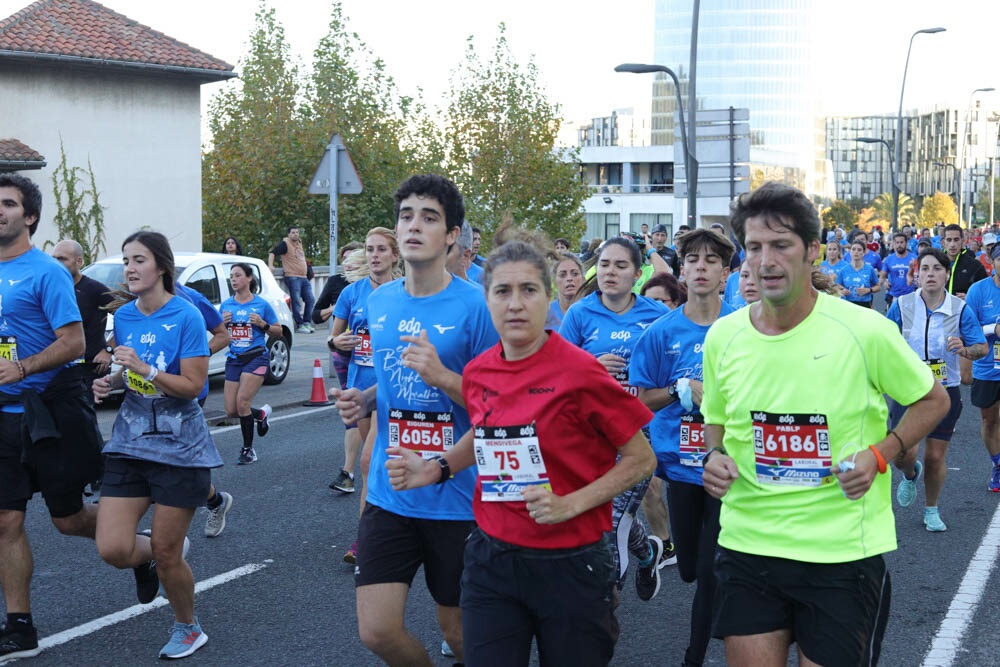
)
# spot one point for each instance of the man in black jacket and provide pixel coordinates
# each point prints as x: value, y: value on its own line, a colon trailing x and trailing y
x: 965, y: 268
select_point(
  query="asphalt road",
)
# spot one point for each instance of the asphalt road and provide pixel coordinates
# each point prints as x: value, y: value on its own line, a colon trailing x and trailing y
x: 275, y: 590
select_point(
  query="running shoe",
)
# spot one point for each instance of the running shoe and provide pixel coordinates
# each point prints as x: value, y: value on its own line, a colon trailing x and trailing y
x: 932, y: 520
x: 995, y: 480
x: 647, y: 578
x: 185, y: 639
x: 446, y: 650
x: 906, y: 492
x: 216, y: 522
x: 262, y: 424
x: 312, y: 327
x: 22, y: 643
x: 669, y: 555
x: 351, y: 555
x: 148, y: 573
x: 344, y: 482
x: 302, y: 329
x: 147, y: 583
x: 247, y: 456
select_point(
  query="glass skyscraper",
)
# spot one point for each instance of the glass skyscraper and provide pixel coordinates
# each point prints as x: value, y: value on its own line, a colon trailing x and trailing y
x: 758, y: 55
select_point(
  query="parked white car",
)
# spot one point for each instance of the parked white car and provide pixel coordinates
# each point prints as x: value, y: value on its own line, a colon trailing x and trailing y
x: 208, y: 273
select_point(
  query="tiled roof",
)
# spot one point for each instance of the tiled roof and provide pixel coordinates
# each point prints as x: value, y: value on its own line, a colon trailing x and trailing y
x: 12, y: 150
x: 83, y: 29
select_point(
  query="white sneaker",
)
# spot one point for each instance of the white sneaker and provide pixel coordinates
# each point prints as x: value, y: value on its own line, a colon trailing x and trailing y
x: 216, y: 522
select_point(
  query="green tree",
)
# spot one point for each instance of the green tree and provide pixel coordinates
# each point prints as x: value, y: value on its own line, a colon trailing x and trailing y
x: 388, y: 136
x: 938, y: 208
x: 500, y: 135
x: 882, y: 207
x: 840, y: 215
x: 79, y: 213
x: 983, y: 201
x: 255, y: 174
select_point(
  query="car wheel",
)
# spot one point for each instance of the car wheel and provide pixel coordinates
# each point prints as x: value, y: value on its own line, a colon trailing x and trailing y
x: 281, y: 359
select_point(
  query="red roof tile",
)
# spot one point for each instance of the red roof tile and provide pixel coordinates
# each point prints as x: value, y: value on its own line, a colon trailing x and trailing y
x: 88, y: 30
x: 12, y: 150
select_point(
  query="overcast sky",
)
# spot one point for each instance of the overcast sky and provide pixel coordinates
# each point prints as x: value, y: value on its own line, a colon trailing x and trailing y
x: 577, y: 44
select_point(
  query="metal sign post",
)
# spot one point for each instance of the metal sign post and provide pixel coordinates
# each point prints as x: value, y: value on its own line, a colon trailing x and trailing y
x: 334, y: 176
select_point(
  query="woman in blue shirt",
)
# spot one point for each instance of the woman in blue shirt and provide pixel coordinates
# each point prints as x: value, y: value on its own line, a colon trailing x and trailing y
x: 250, y: 320
x: 160, y: 449
x: 859, y: 278
x: 607, y: 324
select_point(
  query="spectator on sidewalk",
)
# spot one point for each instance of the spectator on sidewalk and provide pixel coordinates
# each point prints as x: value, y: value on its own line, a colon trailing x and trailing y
x: 296, y: 276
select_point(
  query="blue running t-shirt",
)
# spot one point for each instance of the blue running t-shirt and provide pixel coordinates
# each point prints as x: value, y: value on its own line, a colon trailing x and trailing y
x: 590, y: 325
x: 352, y: 307
x: 412, y: 414
x: 983, y: 298
x: 671, y: 349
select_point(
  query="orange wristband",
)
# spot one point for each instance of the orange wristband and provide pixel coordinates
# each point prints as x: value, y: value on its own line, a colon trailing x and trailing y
x: 882, y: 467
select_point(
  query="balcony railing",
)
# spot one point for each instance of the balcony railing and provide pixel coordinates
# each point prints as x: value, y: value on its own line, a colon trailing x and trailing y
x: 635, y: 188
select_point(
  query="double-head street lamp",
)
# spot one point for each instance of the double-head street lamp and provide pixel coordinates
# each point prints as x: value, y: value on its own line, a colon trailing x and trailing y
x: 958, y: 186
x: 687, y: 140
x: 892, y: 171
x: 899, y: 126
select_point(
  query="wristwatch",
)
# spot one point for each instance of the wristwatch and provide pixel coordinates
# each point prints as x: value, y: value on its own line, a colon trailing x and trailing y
x: 672, y: 389
x: 109, y: 349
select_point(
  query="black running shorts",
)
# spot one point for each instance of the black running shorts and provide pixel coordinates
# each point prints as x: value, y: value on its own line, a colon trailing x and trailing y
x: 985, y: 393
x: 392, y: 547
x: 167, y: 485
x: 836, y: 612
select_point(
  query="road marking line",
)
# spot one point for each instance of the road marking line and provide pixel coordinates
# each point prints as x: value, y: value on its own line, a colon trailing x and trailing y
x: 271, y: 420
x: 140, y: 609
x: 948, y: 640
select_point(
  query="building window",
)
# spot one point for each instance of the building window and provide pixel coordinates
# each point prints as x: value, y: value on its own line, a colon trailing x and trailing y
x: 637, y: 220
x: 603, y: 225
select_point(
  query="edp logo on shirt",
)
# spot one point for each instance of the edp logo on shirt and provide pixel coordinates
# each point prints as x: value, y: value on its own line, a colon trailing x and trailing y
x: 410, y: 326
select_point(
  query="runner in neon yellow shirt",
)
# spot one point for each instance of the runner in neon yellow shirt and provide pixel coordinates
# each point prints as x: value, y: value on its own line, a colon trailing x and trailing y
x: 798, y: 464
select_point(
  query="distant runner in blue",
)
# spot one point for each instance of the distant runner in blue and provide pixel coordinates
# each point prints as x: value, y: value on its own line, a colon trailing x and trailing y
x: 859, y: 277
x: 896, y: 268
x: 251, y: 320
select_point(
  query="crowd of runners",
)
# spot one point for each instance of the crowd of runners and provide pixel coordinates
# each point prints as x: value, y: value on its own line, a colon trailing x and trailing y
x: 506, y: 425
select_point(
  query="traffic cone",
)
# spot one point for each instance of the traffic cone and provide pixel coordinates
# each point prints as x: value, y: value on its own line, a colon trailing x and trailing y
x: 319, y: 388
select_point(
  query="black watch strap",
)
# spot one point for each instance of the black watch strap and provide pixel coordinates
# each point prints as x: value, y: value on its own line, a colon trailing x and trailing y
x: 445, y: 470
x: 109, y: 349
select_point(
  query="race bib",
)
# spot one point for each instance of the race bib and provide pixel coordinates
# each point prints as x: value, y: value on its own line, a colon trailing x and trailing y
x: 996, y: 355
x: 509, y: 460
x: 363, y: 350
x: 791, y: 449
x: 429, y: 434
x: 692, y: 440
x: 8, y: 348
x: 940, y: 370
x: 622, y: 378
x: 241, y: 332
x: 140, y: 385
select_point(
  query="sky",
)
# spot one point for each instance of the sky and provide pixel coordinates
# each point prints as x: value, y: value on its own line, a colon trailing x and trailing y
x: 577, y: 43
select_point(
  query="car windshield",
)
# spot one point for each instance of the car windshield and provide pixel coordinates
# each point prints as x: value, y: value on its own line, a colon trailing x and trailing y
x: 112, y: 274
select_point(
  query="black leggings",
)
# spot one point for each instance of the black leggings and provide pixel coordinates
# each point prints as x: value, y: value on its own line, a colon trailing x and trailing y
x: 694, y: 528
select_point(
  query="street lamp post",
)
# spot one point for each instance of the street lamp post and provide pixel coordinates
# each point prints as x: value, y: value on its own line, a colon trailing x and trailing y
x: 899, y: 126
x: 954, y: 170
x: 687, y: 138
x: 892, y: 170
x: 964, y: 144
